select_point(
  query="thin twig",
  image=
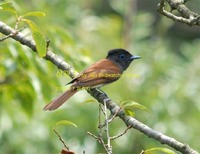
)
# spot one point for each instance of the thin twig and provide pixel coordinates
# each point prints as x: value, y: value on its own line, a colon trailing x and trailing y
x: 110, y: 119
x: 115, y: 137
x: 102, y: 109
x: 60, y: 138
x: 100, y: 140
x: 109, y: 147
x: 94, y: 136
x: 100, y: 130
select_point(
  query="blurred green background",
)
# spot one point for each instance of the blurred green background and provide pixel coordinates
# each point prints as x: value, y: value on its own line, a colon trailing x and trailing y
x: 166, y: 79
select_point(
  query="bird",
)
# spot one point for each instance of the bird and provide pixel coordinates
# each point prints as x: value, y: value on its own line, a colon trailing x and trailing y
x: 103, y: 72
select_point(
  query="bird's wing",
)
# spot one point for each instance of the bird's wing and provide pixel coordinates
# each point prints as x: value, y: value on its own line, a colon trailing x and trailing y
x: 100, y: 73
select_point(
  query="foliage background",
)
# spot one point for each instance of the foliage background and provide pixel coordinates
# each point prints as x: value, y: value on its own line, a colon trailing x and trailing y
x: 166, y: 79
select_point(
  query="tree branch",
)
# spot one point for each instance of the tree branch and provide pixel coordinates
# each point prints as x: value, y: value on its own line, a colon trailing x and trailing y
x: 187, y: 16
x: 101, y: 97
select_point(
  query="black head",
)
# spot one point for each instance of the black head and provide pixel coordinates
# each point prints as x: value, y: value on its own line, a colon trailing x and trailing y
x: 121, y: 57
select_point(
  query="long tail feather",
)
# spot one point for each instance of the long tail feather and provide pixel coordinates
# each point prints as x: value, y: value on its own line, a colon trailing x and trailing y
x: 57, y: 102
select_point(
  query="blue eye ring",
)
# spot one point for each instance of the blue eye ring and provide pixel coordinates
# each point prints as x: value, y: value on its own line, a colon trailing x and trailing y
x: 122, y: 56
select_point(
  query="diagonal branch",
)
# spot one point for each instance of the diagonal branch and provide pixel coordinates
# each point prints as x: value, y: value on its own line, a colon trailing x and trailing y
x: 101, y: 97
x: 187, y: 16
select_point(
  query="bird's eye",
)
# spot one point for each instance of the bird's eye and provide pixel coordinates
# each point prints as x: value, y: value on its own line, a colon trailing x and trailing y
x: 122, y: 56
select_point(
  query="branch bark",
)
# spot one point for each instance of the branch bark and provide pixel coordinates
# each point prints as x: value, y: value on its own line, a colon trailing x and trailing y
x: 187, y: 16
x: 101, y: 97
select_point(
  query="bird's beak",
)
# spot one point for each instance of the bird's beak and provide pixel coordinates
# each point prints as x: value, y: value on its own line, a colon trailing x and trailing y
x: 135, y: 57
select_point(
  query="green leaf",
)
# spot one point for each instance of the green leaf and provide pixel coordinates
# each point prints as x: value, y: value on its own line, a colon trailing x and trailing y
x: 32, y: 14
x: 133, y: 105
x: 130, y: 105
x: 129, y: 112
x: 89, y: 101
x: 7, y: 6
x: 154, y: 150
x: 65, y: 122
x: 38, y: 37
